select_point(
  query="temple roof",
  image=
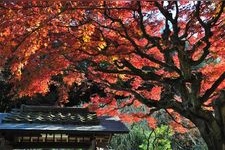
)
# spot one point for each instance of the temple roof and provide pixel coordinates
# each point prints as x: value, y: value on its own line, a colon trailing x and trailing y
x: 59, y: 120
x: 51, y: 115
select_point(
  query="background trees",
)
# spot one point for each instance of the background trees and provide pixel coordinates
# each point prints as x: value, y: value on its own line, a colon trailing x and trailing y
x: 164, y: 55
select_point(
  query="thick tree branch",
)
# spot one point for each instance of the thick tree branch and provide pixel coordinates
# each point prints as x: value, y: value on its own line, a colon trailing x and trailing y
x: 164, y: 11
x: 203, y: 56
x: 187, y: 27
x: 212, y: 89
x: 152, y: 39
x: 208, y: 34
x: 177, y: 10
x: 168, y: 38
x: 133, y: 71
x: 197, y: 15
x: 169, y: 16
x: 174, y: 119
x: 151, y: 58
x: 145, y: 76
x: 143, y: 100
x: 142, y: 54
x: 150, y: 102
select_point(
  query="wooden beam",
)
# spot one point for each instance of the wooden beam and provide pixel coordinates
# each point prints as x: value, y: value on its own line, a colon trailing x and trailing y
x: 93, y: 144
x: 24, y: 145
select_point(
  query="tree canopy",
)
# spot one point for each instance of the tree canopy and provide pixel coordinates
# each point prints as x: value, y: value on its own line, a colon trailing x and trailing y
x: 164, y: 55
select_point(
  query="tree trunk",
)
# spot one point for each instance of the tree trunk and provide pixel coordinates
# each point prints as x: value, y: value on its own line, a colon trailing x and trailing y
x: 212, y: 126
x: 211, y: 133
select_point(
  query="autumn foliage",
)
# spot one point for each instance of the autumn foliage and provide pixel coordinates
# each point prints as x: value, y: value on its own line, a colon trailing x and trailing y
x: 163, y: 55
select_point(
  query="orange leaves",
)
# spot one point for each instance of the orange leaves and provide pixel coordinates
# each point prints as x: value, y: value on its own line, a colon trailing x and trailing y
x: 152, y: 122
x: 111, y: 78
x: 108, y: 106
x: 137, y: 117
x: 136, y: 83
x: 101, y: 45
x: 128, y: 118
x: 73, y: 77
x: 27, y: 42
x: 155, y: 53
x: 137, y: 103
x: 6, y: 32
x: 16, y: 69
x: 33, y: 87
x: 88, y: 30
x: 155, y: 93
x: 178, y: 127
x: 97, y: 104
x: 121, y: 93
x: 140, y: 62
x: 212, y: 72
x: 142, y: 42
x: 38, y: 73
x: 63, y: 94
x: 179, y: 123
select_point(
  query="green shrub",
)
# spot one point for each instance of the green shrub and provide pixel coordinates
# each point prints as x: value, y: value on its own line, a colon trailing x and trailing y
x: 129, y: 141
x: 158, y: 139
x: 142, y: 138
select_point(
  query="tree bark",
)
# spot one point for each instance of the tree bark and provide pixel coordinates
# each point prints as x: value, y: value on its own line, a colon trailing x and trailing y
x: 211, y: 133
x: 212, y: 126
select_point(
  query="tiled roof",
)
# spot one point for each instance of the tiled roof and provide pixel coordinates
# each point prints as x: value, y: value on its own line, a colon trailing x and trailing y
x: 51, y: 115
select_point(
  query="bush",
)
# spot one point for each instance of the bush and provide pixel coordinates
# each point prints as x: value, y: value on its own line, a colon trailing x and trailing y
x: 158, y: 139
x: 129, y: 141
x: 142, y: 138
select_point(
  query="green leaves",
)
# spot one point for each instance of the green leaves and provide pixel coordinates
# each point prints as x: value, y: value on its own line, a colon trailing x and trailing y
x: 142, y: 138
x: 159, y: 139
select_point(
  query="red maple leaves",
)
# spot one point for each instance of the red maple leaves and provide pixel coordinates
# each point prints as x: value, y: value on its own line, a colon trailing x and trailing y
x: 138, y: 50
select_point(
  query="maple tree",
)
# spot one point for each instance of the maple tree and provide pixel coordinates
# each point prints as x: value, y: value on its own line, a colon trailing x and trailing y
x: 164, y: 55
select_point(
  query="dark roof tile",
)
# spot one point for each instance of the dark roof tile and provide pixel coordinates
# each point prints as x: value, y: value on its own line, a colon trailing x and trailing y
x: 51, y: 115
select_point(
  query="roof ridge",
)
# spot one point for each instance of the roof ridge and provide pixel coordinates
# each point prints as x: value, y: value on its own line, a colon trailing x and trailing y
x: 52, y: 115
x: 33, y: 108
